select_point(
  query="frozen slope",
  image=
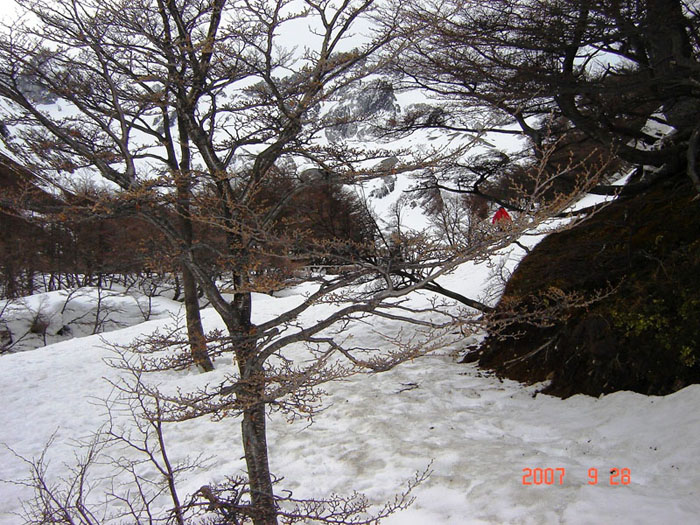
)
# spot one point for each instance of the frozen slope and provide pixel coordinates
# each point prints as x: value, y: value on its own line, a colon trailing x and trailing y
x: 478, y: 432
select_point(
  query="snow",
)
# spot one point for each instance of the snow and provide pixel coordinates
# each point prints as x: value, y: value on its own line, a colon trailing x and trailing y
x: 474, y: 432
x: 58, y: 315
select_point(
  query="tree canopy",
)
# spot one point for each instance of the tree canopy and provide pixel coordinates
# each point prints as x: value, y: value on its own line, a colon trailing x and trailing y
x: 606, y: 68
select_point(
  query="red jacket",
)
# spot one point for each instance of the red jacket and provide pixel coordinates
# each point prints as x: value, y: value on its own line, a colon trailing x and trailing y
x: 501, y: 215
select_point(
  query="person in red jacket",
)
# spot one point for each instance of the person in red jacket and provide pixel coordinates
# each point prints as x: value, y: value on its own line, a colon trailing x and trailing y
x: 501, y: 218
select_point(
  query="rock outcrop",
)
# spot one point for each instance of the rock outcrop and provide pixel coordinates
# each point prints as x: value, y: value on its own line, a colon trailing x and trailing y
x: 645, y: 335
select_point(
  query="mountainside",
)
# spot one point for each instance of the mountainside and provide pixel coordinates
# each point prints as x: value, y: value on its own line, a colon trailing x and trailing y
x: 246, y: 244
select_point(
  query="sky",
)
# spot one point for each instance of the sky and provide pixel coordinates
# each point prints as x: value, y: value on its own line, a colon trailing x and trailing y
x: 7, y: 8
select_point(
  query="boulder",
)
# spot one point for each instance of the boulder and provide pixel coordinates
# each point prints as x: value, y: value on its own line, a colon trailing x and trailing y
x: 643, y: 335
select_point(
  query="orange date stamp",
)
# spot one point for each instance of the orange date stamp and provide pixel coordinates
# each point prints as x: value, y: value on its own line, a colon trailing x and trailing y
x: 555, y: 476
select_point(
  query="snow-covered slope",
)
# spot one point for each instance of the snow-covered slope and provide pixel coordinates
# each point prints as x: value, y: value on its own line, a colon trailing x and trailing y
x: 479, y: 435
x: 46, y: 318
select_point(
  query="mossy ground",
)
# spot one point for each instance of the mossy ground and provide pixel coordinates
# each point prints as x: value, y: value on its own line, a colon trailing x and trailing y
x: 645, y: 336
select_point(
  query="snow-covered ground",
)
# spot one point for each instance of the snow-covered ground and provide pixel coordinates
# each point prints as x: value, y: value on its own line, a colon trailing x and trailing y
x: 47, y: 318
x: 478, y: 434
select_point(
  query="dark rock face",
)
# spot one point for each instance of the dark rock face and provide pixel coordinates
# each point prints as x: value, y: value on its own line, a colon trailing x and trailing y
x: 377, y: 96
x: 359, y: 106
x: 35, y: 91
x: 645, y: 335
x: 388, y: 185
x: 32, y: 87
x: 388, y: 181
x: 5, y: 336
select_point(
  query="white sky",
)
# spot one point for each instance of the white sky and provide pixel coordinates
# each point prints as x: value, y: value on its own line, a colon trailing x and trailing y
x: 7, y: 9
x: 297, y: 31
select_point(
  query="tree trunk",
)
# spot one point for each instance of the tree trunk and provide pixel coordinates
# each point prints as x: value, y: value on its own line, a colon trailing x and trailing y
x: 671, y: 58
x: 259, y: 478
x: 251, y: 396
x: 176, y: 292
x: 195, y: 331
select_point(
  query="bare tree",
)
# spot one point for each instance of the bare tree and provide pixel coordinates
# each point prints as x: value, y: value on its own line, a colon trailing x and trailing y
x: 59, y: 501
x: 187, y: 110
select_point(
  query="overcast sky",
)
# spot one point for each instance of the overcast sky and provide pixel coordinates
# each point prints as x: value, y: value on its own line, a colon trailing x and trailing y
x: 7, y: 9
x: 295, y: 32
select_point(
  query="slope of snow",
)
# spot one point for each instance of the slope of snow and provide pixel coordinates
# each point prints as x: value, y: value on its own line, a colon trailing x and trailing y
x: 478, y: 434
x: 46, y: 318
